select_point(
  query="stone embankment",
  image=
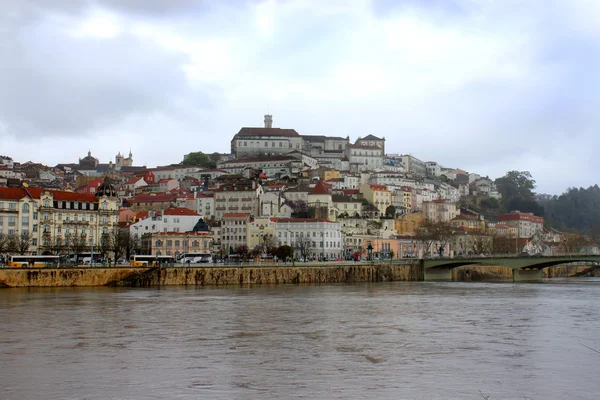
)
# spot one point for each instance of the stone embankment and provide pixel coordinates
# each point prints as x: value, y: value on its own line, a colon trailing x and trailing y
x: 201, y: 276
x: 271, y: 274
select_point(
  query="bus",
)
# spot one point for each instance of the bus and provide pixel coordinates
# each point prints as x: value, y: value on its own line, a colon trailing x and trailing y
x: 35, y: 261
x: 195, y: 258
x: 85, y: 258
x: 151, y: 261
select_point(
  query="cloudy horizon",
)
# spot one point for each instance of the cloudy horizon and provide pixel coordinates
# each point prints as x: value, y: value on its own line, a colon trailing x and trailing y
x: 485, y: 86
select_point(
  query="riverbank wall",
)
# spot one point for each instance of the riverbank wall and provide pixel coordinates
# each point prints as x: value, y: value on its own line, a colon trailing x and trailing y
x: 203, y: 276
x: 273, y: 274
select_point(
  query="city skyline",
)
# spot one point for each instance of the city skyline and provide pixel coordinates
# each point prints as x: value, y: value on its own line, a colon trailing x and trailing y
x: 468, y: 84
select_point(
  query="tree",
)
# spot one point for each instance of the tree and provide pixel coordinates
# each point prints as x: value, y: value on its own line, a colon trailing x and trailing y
x: 575, y: 243
x: 20, y: 243
x: 430, y: 232
x: 199, y: 159
x: 77, y: 243
x: 575, y: 210
x: 105, y: 245
x: 303, y: 246
x: 504, y: 244
x: 5, y: 243
x: 390, y: 211
x: 56, y: 245
x: 480, y: 242
x: 517, y: 193
x: 284, y: 252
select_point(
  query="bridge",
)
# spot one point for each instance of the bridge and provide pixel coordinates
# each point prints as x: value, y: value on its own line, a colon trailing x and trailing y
x: 525, y: 269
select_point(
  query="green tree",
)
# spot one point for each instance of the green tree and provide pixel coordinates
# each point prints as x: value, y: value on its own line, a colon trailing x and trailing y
x: 390, y: 211
x: 575, y: 210
x: 199, y: 159
x: 284, y: 252
x: 516, y: 188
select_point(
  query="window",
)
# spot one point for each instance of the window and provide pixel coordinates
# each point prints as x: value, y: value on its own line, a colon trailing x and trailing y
x: 159, y: 243
x: 177, y: 243
x: 12, y: 221
x: 25, y: 208
x: 12, y: 206
x: 169, y: 243
x: 34, y: 242
x: 46, y: 203
x: 35, y: 215
x: 104, y: 206
x: 25, y: 220
x: 1, y: 220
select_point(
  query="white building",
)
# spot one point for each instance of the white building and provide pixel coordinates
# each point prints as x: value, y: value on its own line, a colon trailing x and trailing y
x: 169, y: 220
x: 433, y: 168
x: 310, y: 237
x: 267, y: 141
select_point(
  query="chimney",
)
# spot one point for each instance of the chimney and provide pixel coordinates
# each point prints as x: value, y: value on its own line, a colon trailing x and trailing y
x: 268, y: 121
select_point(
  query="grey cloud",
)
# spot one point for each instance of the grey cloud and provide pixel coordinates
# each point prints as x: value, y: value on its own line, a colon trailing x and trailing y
x: 56, y: 85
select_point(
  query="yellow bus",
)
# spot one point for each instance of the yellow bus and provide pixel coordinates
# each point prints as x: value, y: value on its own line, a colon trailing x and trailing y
x: 34, y: 261
x: 151, y: 261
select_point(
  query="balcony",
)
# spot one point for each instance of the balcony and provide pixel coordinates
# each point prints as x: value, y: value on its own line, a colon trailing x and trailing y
x: 75, y: 222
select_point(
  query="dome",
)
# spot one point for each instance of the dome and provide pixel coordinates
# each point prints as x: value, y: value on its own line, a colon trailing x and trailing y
x: 106, y: 189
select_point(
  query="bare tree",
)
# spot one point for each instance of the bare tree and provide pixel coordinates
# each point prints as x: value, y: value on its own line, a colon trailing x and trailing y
x: 504, y: 244
x: 480, y: 242
x: 5, y: 245
x: 430, y: 232
x: 77, y: 243
x: 303, y: 245
x: 105, y: 244
x: 20, y: 243
x: 56, y: 245
x: 574, y: 243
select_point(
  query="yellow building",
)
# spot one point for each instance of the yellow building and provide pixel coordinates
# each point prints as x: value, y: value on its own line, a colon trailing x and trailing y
x: 261, y: 231
x: 407, y: 224
x: 56, y: 221
x: 329, y: 174
x: 378, y: 195
x: 468, y: 222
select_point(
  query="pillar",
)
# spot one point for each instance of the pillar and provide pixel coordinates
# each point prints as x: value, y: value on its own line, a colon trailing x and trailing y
x: 529, y: 275
x: 438, y: 274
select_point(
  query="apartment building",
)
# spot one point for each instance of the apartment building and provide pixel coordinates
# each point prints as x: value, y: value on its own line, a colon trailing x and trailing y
x: 527, y: 224
x: 52, y: 219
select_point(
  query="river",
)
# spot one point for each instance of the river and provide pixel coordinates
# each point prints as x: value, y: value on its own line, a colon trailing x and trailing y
x: 401, y: 340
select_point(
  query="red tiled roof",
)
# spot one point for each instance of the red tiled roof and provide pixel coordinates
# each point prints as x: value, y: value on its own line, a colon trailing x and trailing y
x: 133, y: 180
x: 303, y: 220
x: 267, y: 132
x: 180, y: 211
x: 142, y: 215
x: 517, y: 216
x: 321, y: 188
x: 504, y: 226
x: 12, y: 193
x: 148, y: 198
x: 377, y: 187
x: 236, y: 215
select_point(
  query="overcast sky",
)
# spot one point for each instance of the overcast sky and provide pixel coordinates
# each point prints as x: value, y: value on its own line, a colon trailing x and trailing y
x: 487, y: 86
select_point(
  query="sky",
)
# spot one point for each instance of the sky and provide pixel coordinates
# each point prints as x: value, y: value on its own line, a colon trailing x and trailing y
x: 487, y: 86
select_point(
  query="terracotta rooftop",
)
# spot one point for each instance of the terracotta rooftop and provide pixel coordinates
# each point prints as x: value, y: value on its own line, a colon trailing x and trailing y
x: 180, y: 211
x: 236, y: 215
x: 321, y: 188
x: 267, y: 132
